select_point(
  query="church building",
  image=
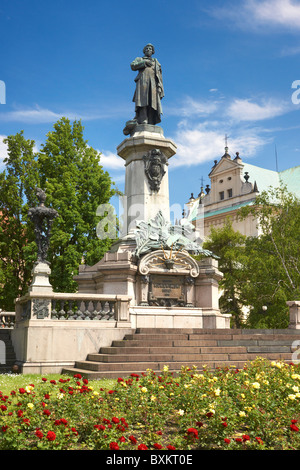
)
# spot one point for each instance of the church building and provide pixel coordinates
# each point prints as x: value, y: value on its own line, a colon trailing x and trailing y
x: 235, y: 184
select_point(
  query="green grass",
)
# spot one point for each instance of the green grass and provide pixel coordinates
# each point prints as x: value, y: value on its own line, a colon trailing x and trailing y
x: 9, y: 382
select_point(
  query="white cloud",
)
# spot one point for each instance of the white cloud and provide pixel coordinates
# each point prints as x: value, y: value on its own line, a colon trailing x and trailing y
x: 35, y: 115
x: 276, y: 12
x: 111, y: 160
x: 38, y: 115
x: 246, y: 110
x: 205, y: 143
x: 259, y: 14
x: 290, y: 51
x: 190, y: 107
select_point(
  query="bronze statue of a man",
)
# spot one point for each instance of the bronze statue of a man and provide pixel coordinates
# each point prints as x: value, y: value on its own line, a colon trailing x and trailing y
x: 149, y: 88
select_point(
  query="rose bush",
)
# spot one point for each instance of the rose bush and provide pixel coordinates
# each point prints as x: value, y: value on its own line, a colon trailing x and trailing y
x: 256, y: 407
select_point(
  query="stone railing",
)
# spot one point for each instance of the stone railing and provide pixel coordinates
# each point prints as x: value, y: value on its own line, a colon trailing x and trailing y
x: 7, y: 319
x: 62, y: 306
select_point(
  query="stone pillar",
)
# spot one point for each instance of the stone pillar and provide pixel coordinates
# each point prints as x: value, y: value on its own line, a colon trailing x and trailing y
x: 40, y: 280
x: 294, y: 307
x: 140, y: 201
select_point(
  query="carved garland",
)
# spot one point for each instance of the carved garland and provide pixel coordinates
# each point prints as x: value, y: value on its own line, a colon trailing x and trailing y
x: 163, y: 261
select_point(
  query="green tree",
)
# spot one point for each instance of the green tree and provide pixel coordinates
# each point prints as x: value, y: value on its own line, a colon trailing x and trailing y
x: 17, y: 243
x: 75, y: 184
x: 229, y: 246
x: 273, y: 268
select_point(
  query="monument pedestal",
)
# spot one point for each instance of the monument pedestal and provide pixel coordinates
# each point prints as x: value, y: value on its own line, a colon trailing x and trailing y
x: 40, y: 280
x: 168, y: 287
x: 146, y: 153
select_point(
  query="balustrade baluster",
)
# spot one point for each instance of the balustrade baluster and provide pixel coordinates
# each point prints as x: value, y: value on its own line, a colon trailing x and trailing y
x: 62, y: 313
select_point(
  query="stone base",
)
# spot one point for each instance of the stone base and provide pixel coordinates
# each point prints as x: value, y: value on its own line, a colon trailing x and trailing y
x: 40, y: 282
x: 174, y: 317
x: 43, y: 346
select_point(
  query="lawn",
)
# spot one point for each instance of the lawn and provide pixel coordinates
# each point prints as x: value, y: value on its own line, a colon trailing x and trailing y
x: 256, y: 407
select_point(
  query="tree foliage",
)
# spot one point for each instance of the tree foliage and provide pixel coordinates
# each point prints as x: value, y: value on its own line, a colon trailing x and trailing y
x: 75, y: 184
x: 229, y: 246
x: 17, y: 245
x: 261, y: 272
x: 274, y: 257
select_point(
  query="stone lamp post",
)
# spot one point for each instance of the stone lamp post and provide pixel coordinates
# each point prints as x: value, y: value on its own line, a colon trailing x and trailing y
x: 43, y: 218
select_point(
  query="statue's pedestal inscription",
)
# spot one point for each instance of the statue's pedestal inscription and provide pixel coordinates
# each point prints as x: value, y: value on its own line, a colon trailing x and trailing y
x: 166, y: 290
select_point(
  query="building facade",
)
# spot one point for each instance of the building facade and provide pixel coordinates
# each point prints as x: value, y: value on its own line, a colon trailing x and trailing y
x: 234, y: 184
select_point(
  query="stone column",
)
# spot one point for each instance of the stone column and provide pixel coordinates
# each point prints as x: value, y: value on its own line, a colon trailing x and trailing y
x: 142, y: 202
x: 294, y: 307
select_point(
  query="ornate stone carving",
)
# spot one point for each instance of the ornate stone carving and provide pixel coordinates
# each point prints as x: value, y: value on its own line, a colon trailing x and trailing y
x: 158, y: 233
x: 159, y: 262
x: 154, y: 168
x: 40, y: 308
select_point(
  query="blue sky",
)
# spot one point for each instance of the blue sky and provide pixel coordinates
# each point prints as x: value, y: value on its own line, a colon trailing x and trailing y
x: 228, y: 68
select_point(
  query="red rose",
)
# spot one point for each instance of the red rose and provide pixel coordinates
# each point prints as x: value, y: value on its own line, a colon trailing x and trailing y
x: 225, y: 424
x: 114, y: 446
x: 246, y: 437
x: 77, y: 376
x: 85, y: 381
x: 227, y: 441
x: 157, y: 446
x: 115, y: 420
x: 259, y: 440
x: 294, y: 427
x: 47, y: 412
x: 51, y: 436
x: 20, y: 413
x: 193, y: 432
x: 53, y: 382
x: 47, y: 396
x: 171, y: 447
x: 22, y: 390
x: 3, y: 407
x: 132, y: 439
x: 142, y: 447
x: 122, y: 439
x: 44, y: 379
x: 238, y: 439
x: 39, y: 434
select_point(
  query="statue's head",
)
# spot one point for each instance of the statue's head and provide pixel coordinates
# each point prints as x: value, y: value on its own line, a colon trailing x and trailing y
x: 149, y: 47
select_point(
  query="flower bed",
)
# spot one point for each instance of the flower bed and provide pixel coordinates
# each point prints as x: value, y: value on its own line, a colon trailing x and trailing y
x: 253, y: 408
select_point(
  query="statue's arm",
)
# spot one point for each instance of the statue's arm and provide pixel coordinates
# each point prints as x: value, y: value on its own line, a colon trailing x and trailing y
x: 138, y: 64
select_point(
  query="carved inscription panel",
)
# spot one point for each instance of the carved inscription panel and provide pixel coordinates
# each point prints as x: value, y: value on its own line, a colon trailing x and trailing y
x: 167, y: 287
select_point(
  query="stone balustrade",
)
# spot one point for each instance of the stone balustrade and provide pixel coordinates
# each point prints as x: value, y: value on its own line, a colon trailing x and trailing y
x: 72, y: 306
x: 7, y: 319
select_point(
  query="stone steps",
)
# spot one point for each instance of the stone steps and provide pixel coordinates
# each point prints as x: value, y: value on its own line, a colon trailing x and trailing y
x: 155, y: 348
